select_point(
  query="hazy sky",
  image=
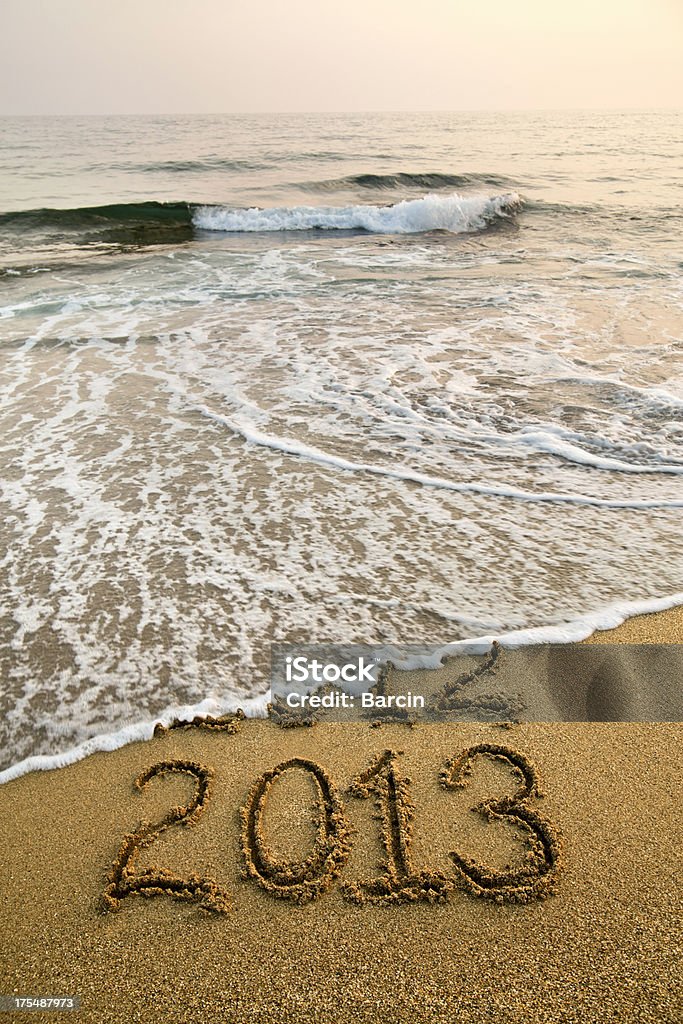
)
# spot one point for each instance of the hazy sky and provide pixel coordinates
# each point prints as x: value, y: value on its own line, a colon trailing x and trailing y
x: 186, y: 56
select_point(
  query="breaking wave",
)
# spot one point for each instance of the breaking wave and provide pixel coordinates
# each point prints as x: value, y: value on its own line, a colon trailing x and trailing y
x: 454, y: 213
x: 153, y: 222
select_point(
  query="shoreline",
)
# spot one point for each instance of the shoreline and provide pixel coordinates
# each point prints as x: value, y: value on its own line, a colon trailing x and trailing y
x: 662, y: 625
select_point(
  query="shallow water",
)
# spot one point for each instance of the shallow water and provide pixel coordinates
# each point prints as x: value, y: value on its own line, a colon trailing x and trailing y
x: 437, y: 395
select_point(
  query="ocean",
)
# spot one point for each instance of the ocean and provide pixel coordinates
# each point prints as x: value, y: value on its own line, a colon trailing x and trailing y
x: 378, y: 378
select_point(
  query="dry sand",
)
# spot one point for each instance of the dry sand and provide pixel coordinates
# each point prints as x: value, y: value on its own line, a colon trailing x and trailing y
x: 605, y: 946
x: 656, y: 628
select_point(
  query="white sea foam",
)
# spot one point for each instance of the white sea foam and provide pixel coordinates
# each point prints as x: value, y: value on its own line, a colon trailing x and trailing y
x: 454, y: 213
x: 297, y: 448
x: 253, y: 707
x: 571, y: 632
x: 256, y: 707
x: 214, y: 447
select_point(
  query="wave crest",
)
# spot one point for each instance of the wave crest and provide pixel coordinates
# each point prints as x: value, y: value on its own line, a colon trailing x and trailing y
x: 455, y: 213
x: 427, y: 181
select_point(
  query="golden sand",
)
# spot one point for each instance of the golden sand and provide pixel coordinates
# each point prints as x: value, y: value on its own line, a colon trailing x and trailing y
x: 656, y: 628
x: 340, y: 874
x: 375, y: 942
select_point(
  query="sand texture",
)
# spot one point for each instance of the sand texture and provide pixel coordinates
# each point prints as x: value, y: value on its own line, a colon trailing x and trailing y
x: 315, y: 883
x: 656, y: 628
x: 607, y: 682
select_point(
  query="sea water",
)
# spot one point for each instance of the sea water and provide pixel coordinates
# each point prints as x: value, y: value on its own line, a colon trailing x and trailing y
x: 349, y: 378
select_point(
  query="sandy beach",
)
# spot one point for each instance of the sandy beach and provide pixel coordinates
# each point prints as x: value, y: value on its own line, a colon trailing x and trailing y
x: 341, y: 423
x: 560, y: 907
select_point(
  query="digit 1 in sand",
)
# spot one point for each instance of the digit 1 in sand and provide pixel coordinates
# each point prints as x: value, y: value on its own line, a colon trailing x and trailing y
x: 400, y: 883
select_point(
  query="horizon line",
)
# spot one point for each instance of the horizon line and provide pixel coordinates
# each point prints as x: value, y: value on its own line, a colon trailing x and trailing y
x: 320, y: 113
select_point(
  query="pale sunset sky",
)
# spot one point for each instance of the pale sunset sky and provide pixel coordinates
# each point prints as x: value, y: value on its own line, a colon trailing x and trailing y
x: 212, y: 56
